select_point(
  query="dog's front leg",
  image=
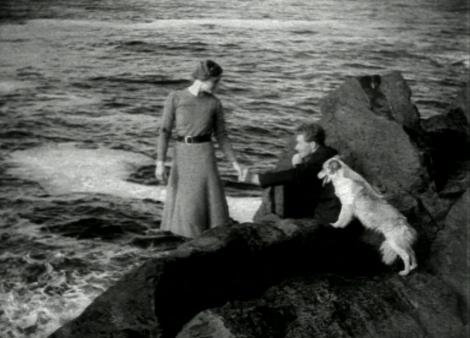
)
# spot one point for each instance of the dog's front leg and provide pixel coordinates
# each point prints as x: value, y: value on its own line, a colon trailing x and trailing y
x: 345, y: 216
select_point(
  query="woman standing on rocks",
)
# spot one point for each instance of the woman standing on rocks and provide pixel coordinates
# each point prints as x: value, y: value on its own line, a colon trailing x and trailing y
x: 195, y: 199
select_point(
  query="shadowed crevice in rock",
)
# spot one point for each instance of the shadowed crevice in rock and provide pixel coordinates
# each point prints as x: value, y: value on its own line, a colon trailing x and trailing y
x: 449, y: 138
x: 378, y: 101
x: 450, y: 251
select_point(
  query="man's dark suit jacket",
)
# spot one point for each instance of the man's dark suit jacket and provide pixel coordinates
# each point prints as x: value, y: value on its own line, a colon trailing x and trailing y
x: 305, y: 197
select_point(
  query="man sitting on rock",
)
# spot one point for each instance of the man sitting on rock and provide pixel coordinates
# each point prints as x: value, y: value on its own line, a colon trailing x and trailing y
x: 305, y: 196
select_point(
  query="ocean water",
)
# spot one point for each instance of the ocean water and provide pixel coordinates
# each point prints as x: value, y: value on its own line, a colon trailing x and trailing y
x: 82, y: 86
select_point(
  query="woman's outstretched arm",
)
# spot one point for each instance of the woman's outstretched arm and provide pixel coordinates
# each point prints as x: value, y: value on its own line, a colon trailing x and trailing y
x: 223, y: 139
x: 166, y: 125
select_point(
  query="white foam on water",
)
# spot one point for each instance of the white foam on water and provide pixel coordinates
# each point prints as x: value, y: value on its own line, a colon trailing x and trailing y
x: 242, y: 209
x: 9, y: 87
x: 64, y: 100
x: 64, y: 169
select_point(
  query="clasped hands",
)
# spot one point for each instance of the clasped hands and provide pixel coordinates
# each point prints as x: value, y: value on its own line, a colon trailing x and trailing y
x: 246, y: 175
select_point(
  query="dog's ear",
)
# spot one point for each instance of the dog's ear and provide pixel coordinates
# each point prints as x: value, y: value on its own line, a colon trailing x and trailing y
x: 334, y: 165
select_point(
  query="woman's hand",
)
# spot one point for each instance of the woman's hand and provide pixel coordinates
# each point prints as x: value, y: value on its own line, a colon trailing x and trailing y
x: 241, y: 170
x: 160, y: 172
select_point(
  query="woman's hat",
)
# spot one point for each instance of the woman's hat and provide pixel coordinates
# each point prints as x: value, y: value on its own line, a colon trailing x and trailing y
x: 207, y: 69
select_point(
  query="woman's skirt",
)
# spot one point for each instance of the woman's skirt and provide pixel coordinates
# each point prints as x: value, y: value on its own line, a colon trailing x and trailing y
x: 195, y: 199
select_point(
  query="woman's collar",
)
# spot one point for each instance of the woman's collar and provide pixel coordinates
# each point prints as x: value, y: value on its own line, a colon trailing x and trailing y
x: 196, y: 90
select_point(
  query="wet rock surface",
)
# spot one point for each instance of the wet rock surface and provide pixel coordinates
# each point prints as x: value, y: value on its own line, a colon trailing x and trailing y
x: 450, y: 250
x: 332, y: 306
x: 376, y: 144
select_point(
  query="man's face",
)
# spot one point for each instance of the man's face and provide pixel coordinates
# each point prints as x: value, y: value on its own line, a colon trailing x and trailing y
x: 304, y: 148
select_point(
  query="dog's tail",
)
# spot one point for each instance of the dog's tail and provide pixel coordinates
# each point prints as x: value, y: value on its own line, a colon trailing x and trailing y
x: 404, y: 237
x: 388, y: 254
x: 407, y: 236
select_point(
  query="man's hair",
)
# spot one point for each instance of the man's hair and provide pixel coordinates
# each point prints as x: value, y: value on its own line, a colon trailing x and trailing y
x: 312, y: 131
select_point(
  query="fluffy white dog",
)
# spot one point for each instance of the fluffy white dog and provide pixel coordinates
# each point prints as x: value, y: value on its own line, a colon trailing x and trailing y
x: 360, y: 200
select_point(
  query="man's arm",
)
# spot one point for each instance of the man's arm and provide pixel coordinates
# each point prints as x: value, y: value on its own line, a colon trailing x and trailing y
x: 296, y: 174
x: 307, y: 170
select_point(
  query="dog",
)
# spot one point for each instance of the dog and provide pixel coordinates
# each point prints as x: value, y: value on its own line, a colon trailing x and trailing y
x: 359, y: 199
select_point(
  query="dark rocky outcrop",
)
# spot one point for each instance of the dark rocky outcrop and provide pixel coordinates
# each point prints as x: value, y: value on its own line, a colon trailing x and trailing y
x: 297, y: 278
x: 449, y: 138
x: 224, y: 264
x: 368, y: 126
x: 450, y: 251
x: 331, y: 306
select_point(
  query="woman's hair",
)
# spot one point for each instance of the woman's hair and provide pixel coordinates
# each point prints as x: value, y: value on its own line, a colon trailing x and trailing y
x: 312, y: 131
x: 207, y: 69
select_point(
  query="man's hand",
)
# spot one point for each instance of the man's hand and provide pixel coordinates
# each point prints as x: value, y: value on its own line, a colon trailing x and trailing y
x: 296, y: 159
x: 160, y: 172
x: 249, y: 177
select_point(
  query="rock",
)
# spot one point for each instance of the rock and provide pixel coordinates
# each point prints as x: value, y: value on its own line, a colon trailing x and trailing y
x: 396, y: 98
x: 449, y: 137
x: 224, y: 264
x: 450, y: 250
x: 448, y: 142
x: 462, y: 102
x: 361, y: 124
x: 208, y: 324
x: 331, y: 306
x: 161, y: 241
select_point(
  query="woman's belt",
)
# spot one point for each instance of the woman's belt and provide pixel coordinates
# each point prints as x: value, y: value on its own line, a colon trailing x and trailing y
x: 194, y: 139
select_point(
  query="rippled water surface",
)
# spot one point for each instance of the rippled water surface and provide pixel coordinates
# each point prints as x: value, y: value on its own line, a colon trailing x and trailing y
x: 82, y: 84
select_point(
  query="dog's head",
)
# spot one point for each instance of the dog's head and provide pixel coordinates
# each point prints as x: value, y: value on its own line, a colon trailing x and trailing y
x: 330, y: 169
